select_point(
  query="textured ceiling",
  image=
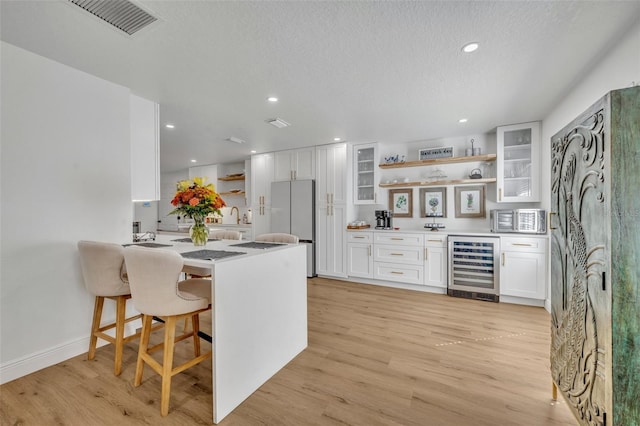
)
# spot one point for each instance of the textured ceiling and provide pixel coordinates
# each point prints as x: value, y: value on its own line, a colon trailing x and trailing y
x: 361, y: 70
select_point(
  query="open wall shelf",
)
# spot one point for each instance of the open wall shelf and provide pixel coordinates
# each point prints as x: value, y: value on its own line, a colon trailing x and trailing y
x: 438, y: 161
x: 437, y: 182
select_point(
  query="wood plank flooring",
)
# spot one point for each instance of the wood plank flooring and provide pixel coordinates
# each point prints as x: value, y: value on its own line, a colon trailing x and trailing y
x: 376, y: 356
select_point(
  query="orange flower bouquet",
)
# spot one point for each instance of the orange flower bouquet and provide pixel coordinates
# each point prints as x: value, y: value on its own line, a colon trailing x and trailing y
x: 196, y: 200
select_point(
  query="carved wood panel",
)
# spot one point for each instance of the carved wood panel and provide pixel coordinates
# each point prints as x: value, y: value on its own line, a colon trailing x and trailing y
x: 580, y: 301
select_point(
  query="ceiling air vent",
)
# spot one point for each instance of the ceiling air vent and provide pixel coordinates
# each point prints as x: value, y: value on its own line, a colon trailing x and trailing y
x: 122, y: 14
x: 279, y: 123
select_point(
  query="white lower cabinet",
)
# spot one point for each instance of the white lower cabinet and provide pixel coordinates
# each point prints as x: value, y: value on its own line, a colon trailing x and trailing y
x: 523, y: 267
x: 398, y: 257
x: 360, y: 254
x: 435, y: 261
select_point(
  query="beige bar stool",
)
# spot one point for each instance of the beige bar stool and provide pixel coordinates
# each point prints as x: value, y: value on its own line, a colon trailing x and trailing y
x: 105, y: 277
x: 225, y: 234
x: 157, y: 292
x: 278, y: 238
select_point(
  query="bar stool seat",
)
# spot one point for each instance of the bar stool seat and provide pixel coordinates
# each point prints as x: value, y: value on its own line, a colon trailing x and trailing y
x: 278, y: 237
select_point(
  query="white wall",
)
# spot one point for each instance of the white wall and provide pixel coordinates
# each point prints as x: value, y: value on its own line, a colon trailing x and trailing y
x: 65, y: 176
x: 620, y: 68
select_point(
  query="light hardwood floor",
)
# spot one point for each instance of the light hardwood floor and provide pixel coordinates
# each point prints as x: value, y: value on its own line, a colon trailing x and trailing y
x: 376, y: 356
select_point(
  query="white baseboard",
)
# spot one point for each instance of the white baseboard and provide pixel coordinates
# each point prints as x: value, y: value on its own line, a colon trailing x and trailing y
x: 31, y: 363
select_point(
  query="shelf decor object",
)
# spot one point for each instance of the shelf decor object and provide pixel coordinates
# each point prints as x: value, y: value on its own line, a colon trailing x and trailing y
x: 469, y: 201
x: 401, y: 202
x: 433, y: 153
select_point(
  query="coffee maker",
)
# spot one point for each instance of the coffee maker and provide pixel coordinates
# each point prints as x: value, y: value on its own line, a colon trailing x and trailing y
x: 383, y: 219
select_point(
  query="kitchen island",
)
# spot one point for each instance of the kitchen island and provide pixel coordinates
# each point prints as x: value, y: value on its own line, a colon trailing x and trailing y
x: 259, y: 314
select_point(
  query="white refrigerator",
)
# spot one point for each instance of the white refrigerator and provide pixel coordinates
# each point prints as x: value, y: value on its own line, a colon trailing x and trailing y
x: 293, y: 212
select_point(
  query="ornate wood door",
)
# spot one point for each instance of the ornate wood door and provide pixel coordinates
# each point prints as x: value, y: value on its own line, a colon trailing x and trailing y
x: 580, y: 234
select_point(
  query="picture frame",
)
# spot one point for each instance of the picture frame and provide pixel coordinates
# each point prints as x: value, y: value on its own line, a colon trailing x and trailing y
x: 433, y: 202
x: 470, y: 201
x: 401, y: 202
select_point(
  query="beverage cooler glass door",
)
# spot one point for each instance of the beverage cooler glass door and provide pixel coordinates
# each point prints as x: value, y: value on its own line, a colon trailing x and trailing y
x: 474, y: 267
x: 365, y: 174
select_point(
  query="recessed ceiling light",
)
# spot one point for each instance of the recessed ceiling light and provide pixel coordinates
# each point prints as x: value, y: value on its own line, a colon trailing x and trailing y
x: 170, y: 126
x: 462, y: 120
x: 470, y: 47
x: 194, y: 161
x: 272, y: 99
x: 253, y: 151
x: 337, y: 139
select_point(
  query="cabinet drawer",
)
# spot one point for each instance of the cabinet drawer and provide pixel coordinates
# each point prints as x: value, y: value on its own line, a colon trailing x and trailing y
x: 398, y: 254
x: 435, y: 241
x: 537, y: 245
x: 359, y: 237
x: 409, y: 274
x: 399, y: 239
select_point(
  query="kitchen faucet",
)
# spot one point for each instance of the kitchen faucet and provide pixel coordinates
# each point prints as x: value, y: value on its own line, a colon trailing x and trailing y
x: 237, y: 214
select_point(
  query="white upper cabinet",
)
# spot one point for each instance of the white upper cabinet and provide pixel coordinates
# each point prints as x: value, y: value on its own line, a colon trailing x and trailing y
x: 518, y: 163
x: 210, y: 172
x: 365, y: 173
x: 145, y: 149
x: 294, y: 164
x: 261, y: 178
x: 332, y: 174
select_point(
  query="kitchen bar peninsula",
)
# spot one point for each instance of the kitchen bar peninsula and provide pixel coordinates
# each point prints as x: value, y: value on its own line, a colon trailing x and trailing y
x: 259, y: 314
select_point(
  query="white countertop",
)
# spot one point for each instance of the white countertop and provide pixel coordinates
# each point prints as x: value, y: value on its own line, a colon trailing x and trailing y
x: 447, y: 231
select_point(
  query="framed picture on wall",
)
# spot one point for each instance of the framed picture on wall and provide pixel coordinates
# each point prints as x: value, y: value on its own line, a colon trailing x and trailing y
x: 433, y: 202
x: 470, y: 201
x: 401, y: 202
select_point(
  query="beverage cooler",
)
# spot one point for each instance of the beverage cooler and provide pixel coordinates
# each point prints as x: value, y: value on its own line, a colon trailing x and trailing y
x: 474, y: 267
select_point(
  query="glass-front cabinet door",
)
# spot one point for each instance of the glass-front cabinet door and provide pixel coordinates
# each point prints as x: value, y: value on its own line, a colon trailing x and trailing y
x: 518, y: 163
x: 365, y: 177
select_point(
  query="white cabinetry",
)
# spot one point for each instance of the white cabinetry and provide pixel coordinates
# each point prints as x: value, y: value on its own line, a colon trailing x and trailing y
x: 523, y: 267
x: 294, y: 164
x: 518, y: 174
x: 399, y: 257
x: 331, y: 213
x: 261, y: 178
x: 435, y: 262
x: 210, y: 172
x: 145, y: 149
x: 365, y: 173
x: 360, y: 254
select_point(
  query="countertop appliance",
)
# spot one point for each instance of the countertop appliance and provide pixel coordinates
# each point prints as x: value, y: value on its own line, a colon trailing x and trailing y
x: 293, y: 212
x: 384, y: 219
x: 474, y: 267
x: 526, y: 221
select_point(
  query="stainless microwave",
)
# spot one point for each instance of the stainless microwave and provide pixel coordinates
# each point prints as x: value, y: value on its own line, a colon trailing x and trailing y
x: 527, y: 221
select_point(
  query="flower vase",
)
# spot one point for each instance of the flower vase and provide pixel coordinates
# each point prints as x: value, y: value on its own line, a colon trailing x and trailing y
x: 199, y: 232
